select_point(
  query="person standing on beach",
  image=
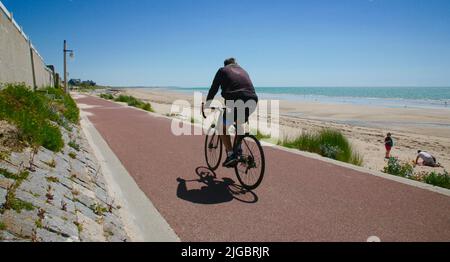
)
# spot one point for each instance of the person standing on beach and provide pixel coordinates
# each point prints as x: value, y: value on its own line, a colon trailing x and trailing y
x: 388, y: 144
x: 236, y: 87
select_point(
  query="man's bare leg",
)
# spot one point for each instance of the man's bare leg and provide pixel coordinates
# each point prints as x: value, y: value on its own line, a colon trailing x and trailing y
x: 226, y: 140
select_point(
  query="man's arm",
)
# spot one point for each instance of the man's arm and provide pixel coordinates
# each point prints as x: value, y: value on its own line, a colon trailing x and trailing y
x: 214, y: 87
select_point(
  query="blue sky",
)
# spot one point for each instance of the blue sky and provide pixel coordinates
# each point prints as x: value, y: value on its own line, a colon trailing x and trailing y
x: 280, y: 42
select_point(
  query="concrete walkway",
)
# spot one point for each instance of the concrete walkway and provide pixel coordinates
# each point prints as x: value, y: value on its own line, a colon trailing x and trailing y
x: 301, y: 199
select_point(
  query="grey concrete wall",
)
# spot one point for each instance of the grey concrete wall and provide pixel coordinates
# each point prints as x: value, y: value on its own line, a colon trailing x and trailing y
x: 15, y: 55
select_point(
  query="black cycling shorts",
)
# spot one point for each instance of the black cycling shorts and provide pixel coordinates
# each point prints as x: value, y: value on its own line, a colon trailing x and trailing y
x: 233, y: 113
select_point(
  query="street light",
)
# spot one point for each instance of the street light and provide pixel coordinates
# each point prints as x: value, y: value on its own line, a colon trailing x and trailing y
x: 71, y: 54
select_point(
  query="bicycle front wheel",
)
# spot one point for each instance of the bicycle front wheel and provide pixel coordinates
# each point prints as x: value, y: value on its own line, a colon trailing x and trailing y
x: 252, y: 164
x: 213, y: 149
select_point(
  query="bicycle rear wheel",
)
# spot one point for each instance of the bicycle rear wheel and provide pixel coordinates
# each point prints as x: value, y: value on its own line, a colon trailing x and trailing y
x: 213, y: 149
x: 251, y: 165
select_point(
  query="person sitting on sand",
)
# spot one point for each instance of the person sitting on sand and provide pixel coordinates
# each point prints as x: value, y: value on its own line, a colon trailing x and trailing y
x: 427, y: 159
x: 388, y: 143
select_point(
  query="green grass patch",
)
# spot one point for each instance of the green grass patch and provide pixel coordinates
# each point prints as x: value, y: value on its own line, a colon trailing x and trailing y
x: 74, y: 145
x: 79, y: 226
x: 20, y: 177
x: 131, y: 101
x: 107, y: 96
x: 87, y: 89
x: 147, y: 107
x: 2, y: 226
x: 16, y: 204
x: 261, y: 136
x: 99, y: 209
x: 38, y: 223
x: 11, y: 201
x: 134, y: 102
x: 52, y: 179
x: 38, y: 114
x: 4, y: 155
x: 328, y: 143
x: 72, y: 155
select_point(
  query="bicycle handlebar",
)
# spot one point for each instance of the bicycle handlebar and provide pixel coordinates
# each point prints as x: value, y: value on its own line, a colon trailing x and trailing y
x: 203, y: 110
x: 211, y: 107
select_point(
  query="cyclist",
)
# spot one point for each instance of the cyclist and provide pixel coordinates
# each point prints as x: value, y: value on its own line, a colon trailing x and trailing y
x: 240, y: 96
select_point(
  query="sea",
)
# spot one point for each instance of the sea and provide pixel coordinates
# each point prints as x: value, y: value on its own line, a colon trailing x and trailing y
x: 393, y: 97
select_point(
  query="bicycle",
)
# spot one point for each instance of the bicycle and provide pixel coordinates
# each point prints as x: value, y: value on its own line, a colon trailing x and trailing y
x: 251, y: 160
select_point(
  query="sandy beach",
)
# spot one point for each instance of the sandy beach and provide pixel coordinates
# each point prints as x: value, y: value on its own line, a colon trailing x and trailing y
x: 365, y: 126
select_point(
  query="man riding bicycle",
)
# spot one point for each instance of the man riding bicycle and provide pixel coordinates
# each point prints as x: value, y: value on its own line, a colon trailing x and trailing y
x: 241, y: 101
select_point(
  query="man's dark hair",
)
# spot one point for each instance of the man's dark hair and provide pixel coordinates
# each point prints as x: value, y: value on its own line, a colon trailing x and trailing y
x: 230, y: 61
x: 420, y: 151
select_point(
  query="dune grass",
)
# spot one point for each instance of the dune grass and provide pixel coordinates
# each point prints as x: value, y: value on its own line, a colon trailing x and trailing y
x: 438, y: 179
x: 134, y: 102
x: 328, y: 143
x: 38, y: 114
x: 261, y: 136
x: 107, y: 96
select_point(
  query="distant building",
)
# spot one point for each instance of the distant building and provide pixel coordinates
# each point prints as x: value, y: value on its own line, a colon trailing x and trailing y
x: 75, y: 82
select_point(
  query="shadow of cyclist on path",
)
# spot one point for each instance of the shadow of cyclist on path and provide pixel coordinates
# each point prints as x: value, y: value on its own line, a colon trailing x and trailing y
x: 213, y: 191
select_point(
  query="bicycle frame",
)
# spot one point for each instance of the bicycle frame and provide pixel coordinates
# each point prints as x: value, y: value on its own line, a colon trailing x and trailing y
x: 245, y: 159
x: 222, y: 110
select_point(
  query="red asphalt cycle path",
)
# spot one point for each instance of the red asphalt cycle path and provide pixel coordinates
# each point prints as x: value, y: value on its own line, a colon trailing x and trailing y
x: 300, y: 199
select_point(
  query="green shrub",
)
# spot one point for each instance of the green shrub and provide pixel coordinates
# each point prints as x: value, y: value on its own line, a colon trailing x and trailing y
x: 74, y: 145
x: 147, y: 107
x: 328, y: 143
x: 437, y: 179
x: 397, y: 168
x: 124, y: 99
x: 107, y: 96
x: 134, y: 102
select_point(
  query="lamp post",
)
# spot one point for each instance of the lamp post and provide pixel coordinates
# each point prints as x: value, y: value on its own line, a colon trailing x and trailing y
x: 66, y: 88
